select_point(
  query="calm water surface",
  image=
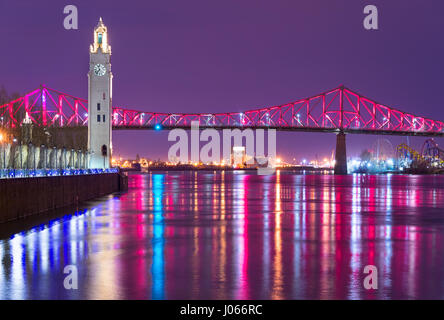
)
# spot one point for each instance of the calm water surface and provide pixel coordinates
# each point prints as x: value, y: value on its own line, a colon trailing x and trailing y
x: 205, y: 235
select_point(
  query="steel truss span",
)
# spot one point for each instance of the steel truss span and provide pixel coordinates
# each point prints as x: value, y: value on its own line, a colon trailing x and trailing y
x: 340, y: 109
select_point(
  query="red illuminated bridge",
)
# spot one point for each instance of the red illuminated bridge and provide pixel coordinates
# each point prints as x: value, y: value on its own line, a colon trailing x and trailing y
x: 337, y: 110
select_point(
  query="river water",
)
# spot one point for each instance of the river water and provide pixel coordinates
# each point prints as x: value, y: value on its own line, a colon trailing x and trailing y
x: 234, y: 235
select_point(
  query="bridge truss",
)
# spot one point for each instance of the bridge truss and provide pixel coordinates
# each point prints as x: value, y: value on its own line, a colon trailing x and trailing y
x: 340, y: 109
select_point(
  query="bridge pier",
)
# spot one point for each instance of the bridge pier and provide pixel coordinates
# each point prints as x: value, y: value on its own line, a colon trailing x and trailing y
x: 341, y: 154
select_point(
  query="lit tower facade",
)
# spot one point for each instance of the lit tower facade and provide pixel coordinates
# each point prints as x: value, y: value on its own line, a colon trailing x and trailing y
x: 100, y: 94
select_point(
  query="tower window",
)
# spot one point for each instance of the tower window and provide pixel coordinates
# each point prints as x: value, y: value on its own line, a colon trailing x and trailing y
x: 100, y: 38
x: 104, y: 96
x: 103, y: 118
x: 98, y: 107
x: 98, y: 118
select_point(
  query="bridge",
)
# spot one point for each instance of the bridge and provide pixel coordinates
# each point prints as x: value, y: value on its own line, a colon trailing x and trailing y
x: 431, y: 155
x: 341, y: 111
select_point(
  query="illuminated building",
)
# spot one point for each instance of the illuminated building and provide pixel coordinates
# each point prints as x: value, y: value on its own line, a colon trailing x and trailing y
x: 238, y: 156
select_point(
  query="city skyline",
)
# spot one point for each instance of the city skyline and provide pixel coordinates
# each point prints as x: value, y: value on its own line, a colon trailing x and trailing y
x: 202, y: 58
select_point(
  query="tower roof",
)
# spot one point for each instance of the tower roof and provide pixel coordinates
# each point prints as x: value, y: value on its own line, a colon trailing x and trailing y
x: 101, y: 24
x: 100, y: 38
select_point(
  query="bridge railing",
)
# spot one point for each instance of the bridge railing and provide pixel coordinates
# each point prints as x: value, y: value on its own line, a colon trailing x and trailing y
x: 338, y: 109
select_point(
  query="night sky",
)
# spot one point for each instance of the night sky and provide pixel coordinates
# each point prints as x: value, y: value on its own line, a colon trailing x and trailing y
x: 232, y: 55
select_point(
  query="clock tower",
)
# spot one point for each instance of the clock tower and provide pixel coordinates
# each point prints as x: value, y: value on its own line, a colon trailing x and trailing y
x: 100, y: 93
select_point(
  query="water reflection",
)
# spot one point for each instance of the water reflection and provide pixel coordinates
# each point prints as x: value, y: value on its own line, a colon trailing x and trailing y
x: 219, y: 235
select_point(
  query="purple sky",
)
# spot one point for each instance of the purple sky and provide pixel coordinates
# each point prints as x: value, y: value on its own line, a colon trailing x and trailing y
x: 233, y: 55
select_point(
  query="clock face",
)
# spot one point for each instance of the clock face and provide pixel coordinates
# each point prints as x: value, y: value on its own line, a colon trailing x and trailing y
x: 99, y: 70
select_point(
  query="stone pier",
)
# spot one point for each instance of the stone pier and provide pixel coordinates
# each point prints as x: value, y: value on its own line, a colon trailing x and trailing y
x: 341, y: 154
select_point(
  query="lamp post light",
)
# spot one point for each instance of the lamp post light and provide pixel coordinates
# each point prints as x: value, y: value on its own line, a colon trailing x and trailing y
x: 64, y: 159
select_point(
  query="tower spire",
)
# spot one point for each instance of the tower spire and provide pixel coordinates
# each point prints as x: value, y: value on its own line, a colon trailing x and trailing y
x: 100, y: 24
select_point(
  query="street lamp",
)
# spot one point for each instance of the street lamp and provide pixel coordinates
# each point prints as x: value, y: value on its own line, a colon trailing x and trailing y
x: 21, y: 156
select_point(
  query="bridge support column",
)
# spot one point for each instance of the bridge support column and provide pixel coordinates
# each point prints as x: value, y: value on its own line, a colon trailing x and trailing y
x: 341, y: 154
